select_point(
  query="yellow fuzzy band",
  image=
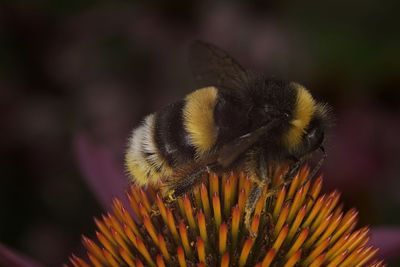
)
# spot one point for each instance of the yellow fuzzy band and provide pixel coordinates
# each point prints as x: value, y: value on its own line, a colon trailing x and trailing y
x: 134, y: 168
x: 199, y: 118
x: 143, y: 160
x: 303, y: 112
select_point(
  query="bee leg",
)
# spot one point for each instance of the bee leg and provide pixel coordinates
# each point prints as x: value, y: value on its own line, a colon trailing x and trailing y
x: 311, y: 176
x: 254, y: 196
x: 291, y: 173
x: 261, y: 180
x: 184, y: 184
x: 318, y: 166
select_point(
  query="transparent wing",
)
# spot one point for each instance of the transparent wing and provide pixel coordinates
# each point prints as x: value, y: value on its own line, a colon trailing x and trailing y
x: 232, y: 151
x: 212, y: 66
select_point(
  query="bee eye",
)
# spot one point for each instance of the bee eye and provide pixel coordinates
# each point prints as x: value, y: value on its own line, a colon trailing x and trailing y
x: 314, y: 138
x: 311, y: 134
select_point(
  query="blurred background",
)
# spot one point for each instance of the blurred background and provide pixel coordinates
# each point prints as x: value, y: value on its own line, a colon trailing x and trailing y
x: 77, y: 76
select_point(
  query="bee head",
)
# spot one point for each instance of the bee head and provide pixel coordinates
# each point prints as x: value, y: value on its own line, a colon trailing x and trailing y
x: 313, y: 137
x: 308, y: 124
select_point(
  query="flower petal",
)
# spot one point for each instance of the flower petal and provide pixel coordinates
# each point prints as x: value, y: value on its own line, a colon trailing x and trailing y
x: 10, y: 258
x: 103, y: 175
x: 387, y: 239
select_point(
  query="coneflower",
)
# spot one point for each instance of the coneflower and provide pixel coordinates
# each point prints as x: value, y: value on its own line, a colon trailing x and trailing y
x: 292, y: 225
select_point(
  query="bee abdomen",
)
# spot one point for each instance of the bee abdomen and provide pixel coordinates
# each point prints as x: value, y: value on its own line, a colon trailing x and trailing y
x: 171, y: 137
x: 185, y: 131
x: 177, y: 135
x: 143, y: 159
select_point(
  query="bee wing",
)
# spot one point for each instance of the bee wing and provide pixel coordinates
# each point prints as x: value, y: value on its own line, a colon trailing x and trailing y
x: 230, y: 152
x: 212, y: 66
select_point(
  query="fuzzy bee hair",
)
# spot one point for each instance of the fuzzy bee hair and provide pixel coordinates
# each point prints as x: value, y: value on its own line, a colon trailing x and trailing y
x: 235, y: 117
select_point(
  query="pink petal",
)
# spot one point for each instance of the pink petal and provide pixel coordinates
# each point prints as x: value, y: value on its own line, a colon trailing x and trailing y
x: 9, y: 258
x: 101, y: 171
x: 387, y: 239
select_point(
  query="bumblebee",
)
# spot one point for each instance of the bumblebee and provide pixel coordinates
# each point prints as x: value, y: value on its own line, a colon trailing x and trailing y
x: 237, y: 119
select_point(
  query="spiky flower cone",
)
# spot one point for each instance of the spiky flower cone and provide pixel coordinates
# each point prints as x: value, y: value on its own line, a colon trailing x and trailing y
x: 291, y: 225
